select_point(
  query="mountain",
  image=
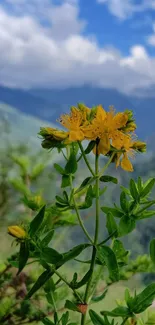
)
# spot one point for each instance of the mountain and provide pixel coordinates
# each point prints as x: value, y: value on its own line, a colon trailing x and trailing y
x: 28, y: 103
x: 49, y: 104
x: 21, y: 127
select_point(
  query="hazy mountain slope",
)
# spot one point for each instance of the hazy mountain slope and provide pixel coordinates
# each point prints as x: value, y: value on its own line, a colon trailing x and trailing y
x: 23, y: 127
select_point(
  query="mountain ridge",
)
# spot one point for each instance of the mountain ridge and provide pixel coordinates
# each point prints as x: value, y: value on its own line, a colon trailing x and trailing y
x: 49, y: 104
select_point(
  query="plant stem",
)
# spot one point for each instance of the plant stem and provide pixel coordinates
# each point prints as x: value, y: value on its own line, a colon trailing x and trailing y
x: 81, y: 222
x: 85, y: 158
x: 54, y: 304
x: 124, y: 321
x: 76, y: 208
x: 68, y: 284
x: 109, y: 237
x: 106, y: 165
x: 92, y: 265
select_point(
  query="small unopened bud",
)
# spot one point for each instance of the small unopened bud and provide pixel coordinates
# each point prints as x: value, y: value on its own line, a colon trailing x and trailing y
x: 82, y: 308
x: 129, y: 113
x: 139, y: 146
x: 60, y: 135
x: 130, y: 127
x: 17, y: 232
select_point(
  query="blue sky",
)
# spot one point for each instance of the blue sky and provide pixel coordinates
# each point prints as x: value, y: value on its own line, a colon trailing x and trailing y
x: 59, y: 43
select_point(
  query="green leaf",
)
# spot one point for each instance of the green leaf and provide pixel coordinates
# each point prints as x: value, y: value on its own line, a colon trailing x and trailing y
x: 124, y: 202
x: 55, y: 318
x: 107, y: 256
x: 144, y: 300
x: 60, y: 200
x: 43, y: 278
x: 37, y: 221
x: 118, y: 312
x: 146, y: 214
x: 49, y: 286
x: 20, y: 186
x: 67, y: 220
x: 101, y: 297
x: 84, y: 280
x: 46, y: 240
x: 50, y: 255
x: 23, y: 255
x: 65, y: 318
x: 116, y: 212
x: 88, y: 199
x: 152, y: 250
x: 103, y: 190
x: 90, y: 147
x: 95, y: 318
x: 111, y: 225
x: 14, y: 263
x: 65, y: 195
x: 119, y: 250
x: 47, y: 321
x: 37, y: 170
x: 74, y: 252
x: 71, y: 306
x: 85, y: 183
x: 71, y: 166
x: 107, y: 178
x: 65, y: 181
x: 140, y: 184
x: 59, y: 169
x: 147, y: 188
x: 126, y: 225
x: 133, y: 190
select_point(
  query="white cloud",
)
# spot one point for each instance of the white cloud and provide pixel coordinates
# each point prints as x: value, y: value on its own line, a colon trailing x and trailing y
x: 35, y: 54
x: 123, y: 9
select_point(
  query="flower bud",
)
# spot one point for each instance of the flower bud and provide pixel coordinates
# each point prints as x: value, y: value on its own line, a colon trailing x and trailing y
x: 82, y: 308
x: 130, y: 127
x: 139, y: 146
x: 52, y: 133
x: 129, y: 113
x: 60, y: 135
x: 17, y: 232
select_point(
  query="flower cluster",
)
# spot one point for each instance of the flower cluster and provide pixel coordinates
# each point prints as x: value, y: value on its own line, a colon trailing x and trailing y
x: 113, y: 133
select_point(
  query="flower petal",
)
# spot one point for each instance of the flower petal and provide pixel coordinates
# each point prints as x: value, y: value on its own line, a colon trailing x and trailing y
x: 104, y: 145
x: 126, y: 164
x: 120, y: 120
x: 101, y: 113
x: 76, y: 135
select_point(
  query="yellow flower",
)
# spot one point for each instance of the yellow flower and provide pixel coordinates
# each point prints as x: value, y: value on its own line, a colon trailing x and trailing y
x: 127, y: 151
x: 17, y: 232
x: 106, y: 126
x: 74, y: 123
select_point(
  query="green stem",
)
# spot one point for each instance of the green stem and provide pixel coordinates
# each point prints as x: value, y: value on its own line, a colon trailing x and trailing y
x: 92, y: 265
x: 109, y: 237
x: 81, y: 222
x: 85, y: 158
x: 106, y: 165
x: 54, y: 304
x: 124, y: 321
x: 68, y: 284
x: 76, y: 208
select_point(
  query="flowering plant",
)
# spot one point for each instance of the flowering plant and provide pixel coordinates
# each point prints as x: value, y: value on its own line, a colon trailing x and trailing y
x: 111, y: 135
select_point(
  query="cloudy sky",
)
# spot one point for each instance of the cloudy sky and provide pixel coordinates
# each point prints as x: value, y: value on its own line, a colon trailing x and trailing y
x: 60, y: 43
